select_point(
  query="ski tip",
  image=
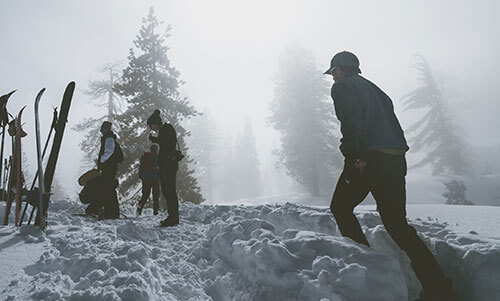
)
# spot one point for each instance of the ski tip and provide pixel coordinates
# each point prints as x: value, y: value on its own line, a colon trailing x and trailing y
x: 39, y: 95
x: 70, y: 88
x: 5, y: 97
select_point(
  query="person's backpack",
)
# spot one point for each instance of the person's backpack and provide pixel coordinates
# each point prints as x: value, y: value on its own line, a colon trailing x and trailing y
x: 148, y: 162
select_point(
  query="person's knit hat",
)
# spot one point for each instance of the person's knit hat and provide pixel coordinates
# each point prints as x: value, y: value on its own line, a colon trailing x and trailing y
x: 106, y: 125
x: 155, y: 118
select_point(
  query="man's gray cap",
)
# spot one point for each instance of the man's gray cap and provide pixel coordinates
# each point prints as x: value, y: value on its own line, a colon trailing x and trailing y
x: 344, y: 58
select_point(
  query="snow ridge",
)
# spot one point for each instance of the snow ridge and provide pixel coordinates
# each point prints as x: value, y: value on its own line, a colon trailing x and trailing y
x: 267, y: 252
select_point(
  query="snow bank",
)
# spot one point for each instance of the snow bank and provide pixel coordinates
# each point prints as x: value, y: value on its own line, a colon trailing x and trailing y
x: 267, y: 252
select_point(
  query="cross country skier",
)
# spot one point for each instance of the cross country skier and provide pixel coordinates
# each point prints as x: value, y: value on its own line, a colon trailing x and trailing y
x: 149, y: 174
x: 168, y: 159
x: 374, y: 148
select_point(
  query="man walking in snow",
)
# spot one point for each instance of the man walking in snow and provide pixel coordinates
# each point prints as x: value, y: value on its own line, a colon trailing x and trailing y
x: 168, y: 159
x: 110, y: 155
x: 374, y: 148
x: 149, y: 174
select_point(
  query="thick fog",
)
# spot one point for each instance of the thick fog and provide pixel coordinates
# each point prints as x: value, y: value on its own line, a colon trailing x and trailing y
x: 227, y: 53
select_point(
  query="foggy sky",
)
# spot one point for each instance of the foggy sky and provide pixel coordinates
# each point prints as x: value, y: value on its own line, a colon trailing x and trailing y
x: 227, y: 53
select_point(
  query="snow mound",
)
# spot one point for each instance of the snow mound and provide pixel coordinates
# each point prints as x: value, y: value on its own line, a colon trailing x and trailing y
x: 267, y: 252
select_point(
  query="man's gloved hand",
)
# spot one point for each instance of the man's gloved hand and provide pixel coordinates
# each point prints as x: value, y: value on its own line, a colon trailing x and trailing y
x: 360, y: 165
x: 153, y: 138
x: 99, y: 165
x: 354, y: 170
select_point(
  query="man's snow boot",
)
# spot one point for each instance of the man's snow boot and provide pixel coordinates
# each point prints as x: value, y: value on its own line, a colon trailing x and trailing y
x: 169, y: 222
x: 447, y: 293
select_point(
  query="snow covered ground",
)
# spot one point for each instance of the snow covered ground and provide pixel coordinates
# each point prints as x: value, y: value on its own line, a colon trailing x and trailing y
x: 221, y: 252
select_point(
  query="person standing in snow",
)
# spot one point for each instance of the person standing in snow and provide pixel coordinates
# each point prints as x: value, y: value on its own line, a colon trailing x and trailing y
x: 149, y: 175
x: 168, y: 159
x: 110, y: 155
x: 374, y: 148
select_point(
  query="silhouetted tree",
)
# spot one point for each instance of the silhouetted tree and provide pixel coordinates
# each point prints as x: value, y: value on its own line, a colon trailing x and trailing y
x: 224, y: 173
x: 303, y: 114
x: 149, y: 82
x: 437, y: 129
x: 246, y: 164
x: 455, y: 193
x: 202, y: 144
x: 103, y: 96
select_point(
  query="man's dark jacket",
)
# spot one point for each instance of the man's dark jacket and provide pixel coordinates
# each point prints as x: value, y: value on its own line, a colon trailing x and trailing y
x: 112, y: 161
x: 367, y: 118
x: 167, y: 139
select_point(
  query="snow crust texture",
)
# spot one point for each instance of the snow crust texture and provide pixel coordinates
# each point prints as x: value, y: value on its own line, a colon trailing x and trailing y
x: 267, y: 252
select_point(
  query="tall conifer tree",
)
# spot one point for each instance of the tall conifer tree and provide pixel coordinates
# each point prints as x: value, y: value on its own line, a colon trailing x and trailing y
x: 150, y: 82
x: 303, y: 114
x: 436, y: 131
x: 103, y: 96
x: 246, y: 164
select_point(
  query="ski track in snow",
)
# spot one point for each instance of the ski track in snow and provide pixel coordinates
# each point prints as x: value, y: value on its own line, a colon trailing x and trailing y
x: 266, y: 252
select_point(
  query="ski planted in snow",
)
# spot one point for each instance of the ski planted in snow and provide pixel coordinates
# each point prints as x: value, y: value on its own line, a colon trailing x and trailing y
x: 4, y: 121
x: 37, y: 203
x: 19, y: 134
x: 54, y: 153
x: 41, y: 190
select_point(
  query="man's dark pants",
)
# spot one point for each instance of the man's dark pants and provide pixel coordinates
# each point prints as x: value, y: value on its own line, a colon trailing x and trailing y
x: 147, y: 187
x: 168, y: 173
x: 384, y: 177
x: 107, y: 194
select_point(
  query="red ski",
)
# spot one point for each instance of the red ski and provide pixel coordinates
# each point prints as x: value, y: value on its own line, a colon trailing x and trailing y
x: 19, y: 190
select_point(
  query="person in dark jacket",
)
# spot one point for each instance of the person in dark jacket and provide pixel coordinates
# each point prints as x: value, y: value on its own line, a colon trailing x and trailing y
x: 107, y: 163
x: 168, y: 163
x: 374, y: 148
x: 149, y: 174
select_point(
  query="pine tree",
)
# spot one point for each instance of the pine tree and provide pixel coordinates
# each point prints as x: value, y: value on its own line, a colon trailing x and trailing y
x: 303, y: 114
x: 103, y: 96
x: 455, y: 193
x: 149, y: 82
x: 246, y: 164
x: 437, y: 129
x: 58, y: 192
x: 202, y: 148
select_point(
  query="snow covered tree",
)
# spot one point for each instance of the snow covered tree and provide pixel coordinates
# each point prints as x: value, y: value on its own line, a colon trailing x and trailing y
x: 303, y: 114
x: 58, y: 191
x: 107, y: 100
x: 437, y: 130
x: 246, y: 164
x: 25, y: 167
x: 149, y: 82
x: 202, y: 147
x: 224, y: 176
x: 455, y: 193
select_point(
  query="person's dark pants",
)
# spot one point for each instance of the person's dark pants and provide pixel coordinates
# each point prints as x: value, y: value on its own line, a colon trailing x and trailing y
x: 108, y: 191
x: 147, y: 187
x: 168, y: 175
x: 384, y: 177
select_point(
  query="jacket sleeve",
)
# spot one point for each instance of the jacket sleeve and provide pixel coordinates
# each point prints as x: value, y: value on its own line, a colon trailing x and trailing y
x: 350, y: 115
x: 154, y: 139
x: 109, y: 148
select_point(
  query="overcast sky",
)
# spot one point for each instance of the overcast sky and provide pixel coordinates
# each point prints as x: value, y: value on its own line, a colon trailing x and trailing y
x: 227, y: 53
